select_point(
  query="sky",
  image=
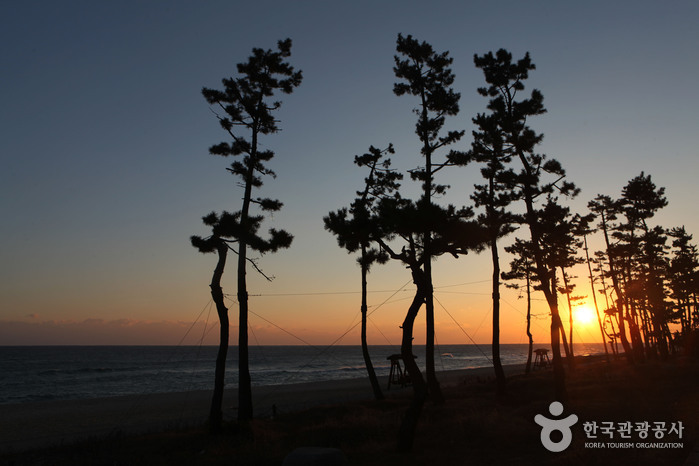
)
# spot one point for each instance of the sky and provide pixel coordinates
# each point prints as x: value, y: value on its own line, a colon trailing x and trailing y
x: 106, y: 172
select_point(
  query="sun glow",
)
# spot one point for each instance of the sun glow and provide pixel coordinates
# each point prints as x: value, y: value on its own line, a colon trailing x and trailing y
x: 585, y: 315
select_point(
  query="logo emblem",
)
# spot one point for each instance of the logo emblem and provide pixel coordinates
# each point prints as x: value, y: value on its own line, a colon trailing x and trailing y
x: 548, y: 426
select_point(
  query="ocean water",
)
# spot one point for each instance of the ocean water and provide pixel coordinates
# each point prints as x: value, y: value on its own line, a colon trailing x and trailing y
x: 75, y: 372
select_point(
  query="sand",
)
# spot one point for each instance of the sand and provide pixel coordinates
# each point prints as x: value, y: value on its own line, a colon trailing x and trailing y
x: 41, y: 424
x: 474, y: 425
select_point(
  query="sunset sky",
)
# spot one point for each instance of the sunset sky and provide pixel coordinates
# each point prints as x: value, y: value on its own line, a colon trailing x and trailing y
x: 106, y: 172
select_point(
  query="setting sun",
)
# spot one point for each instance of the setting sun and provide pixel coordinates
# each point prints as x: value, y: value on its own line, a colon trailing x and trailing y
x: 585, y: 315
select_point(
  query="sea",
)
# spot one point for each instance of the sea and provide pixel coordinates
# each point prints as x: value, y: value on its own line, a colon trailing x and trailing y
x: 40, y: 373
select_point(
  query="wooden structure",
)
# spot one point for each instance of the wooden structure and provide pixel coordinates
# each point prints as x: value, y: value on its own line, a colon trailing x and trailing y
x: 398, y: 375
x: 541, y: 361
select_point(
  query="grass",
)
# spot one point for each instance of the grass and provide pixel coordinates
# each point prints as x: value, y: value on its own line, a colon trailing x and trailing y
x: 471, y: 428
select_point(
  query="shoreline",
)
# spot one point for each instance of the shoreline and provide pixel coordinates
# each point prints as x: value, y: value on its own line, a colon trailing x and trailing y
x: 39, y: 424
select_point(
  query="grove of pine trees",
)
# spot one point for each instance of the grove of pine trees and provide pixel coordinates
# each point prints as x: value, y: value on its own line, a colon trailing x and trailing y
x: 643, y: 281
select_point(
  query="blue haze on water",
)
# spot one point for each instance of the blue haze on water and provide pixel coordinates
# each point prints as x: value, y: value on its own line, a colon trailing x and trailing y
x: 36, y: 373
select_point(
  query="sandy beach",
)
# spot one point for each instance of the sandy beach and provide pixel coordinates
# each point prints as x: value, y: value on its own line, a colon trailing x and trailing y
x: 40, y: 424
x: 473, y: 426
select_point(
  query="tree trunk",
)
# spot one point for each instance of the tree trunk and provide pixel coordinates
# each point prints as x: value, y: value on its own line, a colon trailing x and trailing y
x: 558, y: 370
x: 566, y: 347
x: 621, y: 319
x: 660, y: 335
x: 434, y: 389
x: 570, y: 314
x: 634, y: 331
x: 648, y: 333
x: 497, y: 363
x: 594, y: 296
x: 216, y: 413
x: 657, y: 309
x: 550, y: 294
x: 244, y: 380
x: 615, y: 284
x: 529, y: 324
x: 406, y: 432
x: 683, y: 305
x: 613, y: 338
x: 613, y: 343
x: 556, y: 329
x: 365, y: 349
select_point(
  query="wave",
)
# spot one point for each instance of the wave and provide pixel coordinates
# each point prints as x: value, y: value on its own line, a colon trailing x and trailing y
x: 88, y: 370
x: 33, y: 374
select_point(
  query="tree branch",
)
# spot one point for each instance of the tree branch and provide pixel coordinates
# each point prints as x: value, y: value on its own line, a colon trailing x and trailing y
x: 235, y: 138
x: 254, y: 264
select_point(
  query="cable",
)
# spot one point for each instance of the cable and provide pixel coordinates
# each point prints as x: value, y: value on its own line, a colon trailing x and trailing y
x: 439, y: 350
x: 139, y: 397
x: 462, y: 329
x: 322, y: 351
x: 317, y: 293
x: 535, y: 316
x: 382, y: 334
x: 322, y: 293
x: 485, y: 314
x: 196, y: 362
x: 462, y: 284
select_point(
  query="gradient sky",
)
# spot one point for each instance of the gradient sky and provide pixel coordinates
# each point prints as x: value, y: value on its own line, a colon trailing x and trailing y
x: 106, y: 172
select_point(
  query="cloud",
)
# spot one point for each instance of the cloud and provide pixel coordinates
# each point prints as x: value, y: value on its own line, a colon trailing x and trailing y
x: 103, y: 332
x: 95, y: 331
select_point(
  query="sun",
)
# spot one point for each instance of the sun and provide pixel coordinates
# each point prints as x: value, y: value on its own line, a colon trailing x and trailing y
x: 584, y: 314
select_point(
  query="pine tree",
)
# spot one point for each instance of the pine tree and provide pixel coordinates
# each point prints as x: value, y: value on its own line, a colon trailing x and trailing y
x: 522, y: 268
x: 216, y: 243
x: 427, y: 75
x: 607, y: 211
x: 610, y: 313
x: 355, y: 227
x: 247, y: 114
x: 494, y: 196
x: 583, y: 229
x: 684, y: 265
x: 402, y: 221
x: 639, y: 201
x: 555, y: 231
x: 505, y: 81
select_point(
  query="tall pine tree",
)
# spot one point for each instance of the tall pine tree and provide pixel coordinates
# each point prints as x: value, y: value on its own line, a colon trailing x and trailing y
x: 495, y: 196
x: 427, y: 75
x: 245, y: 112
x: 505, y: 79
x: 356, y: 227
